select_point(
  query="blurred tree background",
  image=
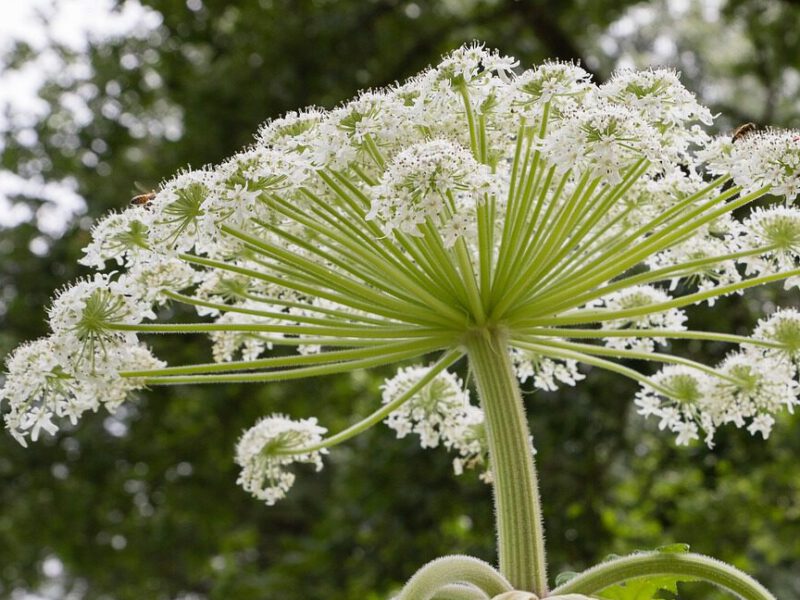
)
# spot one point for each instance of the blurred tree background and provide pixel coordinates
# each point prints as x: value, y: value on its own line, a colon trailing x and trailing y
x: 143, y: 504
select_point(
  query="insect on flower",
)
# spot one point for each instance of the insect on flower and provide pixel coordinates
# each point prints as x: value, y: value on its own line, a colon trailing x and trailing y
x: 743, y: 130
x: 143, y: 199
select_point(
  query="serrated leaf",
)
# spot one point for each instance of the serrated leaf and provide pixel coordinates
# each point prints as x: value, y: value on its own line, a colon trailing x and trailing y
x: 677, y: 548
x: 644, y: 588
x: 564, y: 577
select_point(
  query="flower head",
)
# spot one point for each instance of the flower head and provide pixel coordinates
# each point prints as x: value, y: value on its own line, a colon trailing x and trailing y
x: 41, y: 387
x: 437, y: 183
x: 433, y: 413
x: 782, y: 328
x: 764, y: 159
x: 674, y: 395
x: 122, y: 237
x: 266, y: 450
x: 89, y: 312
x: 575, y: 223
x: 440, y: 412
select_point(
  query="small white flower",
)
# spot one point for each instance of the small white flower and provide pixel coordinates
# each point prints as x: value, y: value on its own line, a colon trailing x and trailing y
x: 84, y: 314
x: 640, y: 297
x: 675, y: 398
x: 762, y: 384
x: 687, y: 432
x: 434, y: 412
x: 435, y: 181
x: 122, y: 237
x: 547, y: 373
x: 267, y: 449
x: 783, y: 327
x: 39, y: 386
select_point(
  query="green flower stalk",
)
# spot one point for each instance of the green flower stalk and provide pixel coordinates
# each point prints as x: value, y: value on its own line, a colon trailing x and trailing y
x: 527, y: 223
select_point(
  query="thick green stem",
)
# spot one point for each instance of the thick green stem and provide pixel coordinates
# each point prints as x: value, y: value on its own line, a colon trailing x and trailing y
x: 448, y: 570
x: 516, y: 492
x: 697, y: 566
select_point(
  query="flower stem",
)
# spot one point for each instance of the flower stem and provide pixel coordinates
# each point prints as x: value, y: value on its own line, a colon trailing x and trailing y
x: 516, y: 491
x: 662, y: 563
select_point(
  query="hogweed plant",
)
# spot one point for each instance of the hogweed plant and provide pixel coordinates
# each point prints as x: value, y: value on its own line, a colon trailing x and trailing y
x: 525, y: 222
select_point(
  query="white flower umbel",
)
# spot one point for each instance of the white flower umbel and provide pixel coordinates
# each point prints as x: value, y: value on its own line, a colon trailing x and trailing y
x: 674, y: 396
x: 41, y: 389
x: 435, y: 182
x: 86, y: 316
x: 757, y: 385
x: 432, y: 413
x: 770, y: 158
x: 439, y: 412
x: 547, y: 373
x: 268, y: 448
x: 640, y: 297
x: 783, y: 329
x: 529, y: 219
x: 776, y: 231
x: 122, y: 237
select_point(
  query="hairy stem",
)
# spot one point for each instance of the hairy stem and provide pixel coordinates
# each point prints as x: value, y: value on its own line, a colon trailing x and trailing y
x: 697, y: 566
x: 516, y: 490
x: 442, y: 573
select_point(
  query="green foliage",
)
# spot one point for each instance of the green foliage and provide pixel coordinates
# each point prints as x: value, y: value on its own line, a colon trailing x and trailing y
x: 645, y: 588
x: 651, y: 587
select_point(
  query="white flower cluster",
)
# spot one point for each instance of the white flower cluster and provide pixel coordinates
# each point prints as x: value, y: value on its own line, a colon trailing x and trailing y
x: 44, y: 382
x: 122, y: 237
x: 769, y: 158
x: 77, y: 368
x: 437, y: 182
x: 546, y: 372
x: 268, y: 448
x: 83, y: 311
x: 783, y: 329
x: 639, y: 297
x: 776, y: 231
x: 440, y: 412
x: 469, y: 197
x: 747, y: 389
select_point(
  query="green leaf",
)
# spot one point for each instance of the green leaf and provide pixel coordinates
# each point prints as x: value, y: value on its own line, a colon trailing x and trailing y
x: 644, y: 588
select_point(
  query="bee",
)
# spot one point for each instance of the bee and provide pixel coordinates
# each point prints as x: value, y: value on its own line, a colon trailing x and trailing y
x: 743, y: 130
x: 143, y: 199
